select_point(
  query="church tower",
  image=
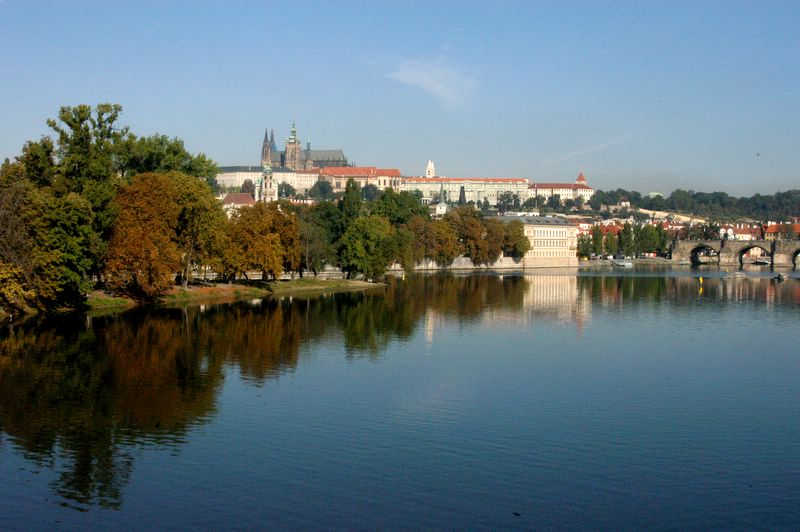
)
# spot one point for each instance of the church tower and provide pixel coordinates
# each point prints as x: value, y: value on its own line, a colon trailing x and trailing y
x: 266, y: 150
x: 430, y: 170
x: 293, y: 154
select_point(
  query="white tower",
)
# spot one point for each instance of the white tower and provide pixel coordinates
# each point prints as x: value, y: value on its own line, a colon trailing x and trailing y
x: 430, y: 170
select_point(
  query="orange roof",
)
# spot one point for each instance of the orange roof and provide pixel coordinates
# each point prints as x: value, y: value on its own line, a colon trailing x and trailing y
x: 571, y: 186
x: 238, y: 198
x: 782, y: 228
x: 469, y: 179
x: 360, y: 171
x: 580, y: 179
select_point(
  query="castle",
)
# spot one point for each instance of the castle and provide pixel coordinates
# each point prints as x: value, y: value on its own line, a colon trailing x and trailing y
x: 294, y: 157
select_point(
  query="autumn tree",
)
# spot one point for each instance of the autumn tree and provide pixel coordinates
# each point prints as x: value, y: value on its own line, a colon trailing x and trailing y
x: 263, y: 238
x: 143, y: 255
x: 443, y: 242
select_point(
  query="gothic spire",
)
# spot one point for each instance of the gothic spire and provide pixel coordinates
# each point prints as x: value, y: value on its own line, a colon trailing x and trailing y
x: 266, y: 150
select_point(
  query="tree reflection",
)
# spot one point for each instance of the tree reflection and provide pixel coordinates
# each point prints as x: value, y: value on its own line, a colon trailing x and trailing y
x: 78, y: 395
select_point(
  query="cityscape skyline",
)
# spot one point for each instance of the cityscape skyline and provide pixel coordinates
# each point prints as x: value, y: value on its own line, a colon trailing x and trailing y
x: 649, y: 97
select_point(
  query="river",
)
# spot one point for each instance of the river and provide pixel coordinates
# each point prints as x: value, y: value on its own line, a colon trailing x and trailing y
x: 645, y: 399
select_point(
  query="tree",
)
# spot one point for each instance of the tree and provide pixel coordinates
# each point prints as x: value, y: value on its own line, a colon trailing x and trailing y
x: 366, y: 246
x: 200, y: 224
x: 317, y: 249
x: 626, y: 244
x: 399, y: 208
x: 88, y: 165
x: 142, y: 254
x: 159, y: 153
x: 370, y: 192
x: 350, y: 205
x: 285, y: 190
x: 248, y: 188
x: 444, y: 246
x: 507, y: 201
x: 321, y: 190
x: 516, y: 244
x: 597, y: 240
x: 254, y: 243
x: 554, y: 202
x: 610, y: 243
x: 584, y: 245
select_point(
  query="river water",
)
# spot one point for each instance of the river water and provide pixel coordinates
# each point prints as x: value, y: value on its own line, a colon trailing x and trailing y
x: 558, y: 400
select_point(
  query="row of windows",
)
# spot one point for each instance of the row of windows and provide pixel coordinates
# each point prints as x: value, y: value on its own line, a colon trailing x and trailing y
x: 553, y: 253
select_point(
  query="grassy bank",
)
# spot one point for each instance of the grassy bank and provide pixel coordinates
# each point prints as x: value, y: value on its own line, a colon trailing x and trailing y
x: 101, y: 302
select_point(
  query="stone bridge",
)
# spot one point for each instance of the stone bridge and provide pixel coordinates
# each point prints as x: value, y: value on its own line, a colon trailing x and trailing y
x: 782, y: 253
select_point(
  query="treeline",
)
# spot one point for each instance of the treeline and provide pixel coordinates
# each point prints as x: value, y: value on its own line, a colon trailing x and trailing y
x: 59, y: 203
x: 631, y: 241
x: 717, y: 205
x: 99, y: 207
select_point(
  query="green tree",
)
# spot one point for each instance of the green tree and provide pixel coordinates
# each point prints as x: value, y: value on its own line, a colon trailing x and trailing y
x: 584, y: 245
x: 322, y: 190
x: 516, y: 244
x: 350, y: 205
x: 249, y: 188
x: 285, y: 190
x: 370, y: 192
x: 626, y: 244
x: 597, y: 240
x: 398, y: 208
x: 610, y: 243
x: 159, y: 153
x: 200, y: 224
x: 366, y: 247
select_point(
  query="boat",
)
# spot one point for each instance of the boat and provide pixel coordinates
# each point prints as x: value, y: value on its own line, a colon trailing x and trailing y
x: 621, y: 262
x: 762, y: 261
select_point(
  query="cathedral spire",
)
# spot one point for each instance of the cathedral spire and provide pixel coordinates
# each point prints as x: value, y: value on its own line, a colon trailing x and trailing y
x: 266, y: 150
x: 293, y: 136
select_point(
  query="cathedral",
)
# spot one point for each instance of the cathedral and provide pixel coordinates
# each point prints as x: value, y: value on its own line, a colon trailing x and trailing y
x: 294, y: 157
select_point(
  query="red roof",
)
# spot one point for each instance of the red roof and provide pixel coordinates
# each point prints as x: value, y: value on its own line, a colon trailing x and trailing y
x: 571, y: 186
x: 782, y: 228
x: 470, y: 179
x: 238, y: 198
x: 581, y: 179
x: 360, y: 171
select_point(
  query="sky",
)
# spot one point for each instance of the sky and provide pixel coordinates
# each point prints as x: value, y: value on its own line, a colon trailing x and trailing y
x: 641, y: 95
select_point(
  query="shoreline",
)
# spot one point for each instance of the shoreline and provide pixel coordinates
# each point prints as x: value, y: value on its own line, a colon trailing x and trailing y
x: 100, y: 302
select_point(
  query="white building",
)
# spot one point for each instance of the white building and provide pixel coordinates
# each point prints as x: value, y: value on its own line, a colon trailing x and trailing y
x: 235, y: 176
x: 300, y: 180
x: 475, y: 188
x: 579, y: 189
x: 382, y: 178
x: 554, y: 241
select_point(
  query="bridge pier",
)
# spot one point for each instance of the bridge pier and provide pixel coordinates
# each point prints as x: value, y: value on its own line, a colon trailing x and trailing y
x: 782, y: 253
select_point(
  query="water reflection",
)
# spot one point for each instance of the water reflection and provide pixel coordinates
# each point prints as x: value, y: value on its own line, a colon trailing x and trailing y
x: 77, y: 396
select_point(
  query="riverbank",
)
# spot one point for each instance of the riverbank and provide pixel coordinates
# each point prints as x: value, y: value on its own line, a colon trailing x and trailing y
x: 102, y: 302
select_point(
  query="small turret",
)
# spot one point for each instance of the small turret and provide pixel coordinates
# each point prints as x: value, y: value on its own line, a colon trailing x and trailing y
x: 430, y: 169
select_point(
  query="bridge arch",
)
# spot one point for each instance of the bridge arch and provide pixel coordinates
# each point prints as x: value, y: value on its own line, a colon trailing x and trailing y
x: 747, y: 248
x: 704, y: 254
x: 796, y: 259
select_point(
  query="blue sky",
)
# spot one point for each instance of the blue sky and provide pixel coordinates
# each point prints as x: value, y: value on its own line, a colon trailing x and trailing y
x: 650, y: 96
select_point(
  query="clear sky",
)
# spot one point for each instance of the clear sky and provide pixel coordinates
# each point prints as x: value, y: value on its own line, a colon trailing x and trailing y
x: 642, y: 95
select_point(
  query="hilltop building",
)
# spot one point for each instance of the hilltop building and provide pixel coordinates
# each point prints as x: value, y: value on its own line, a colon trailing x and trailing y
x: 382, y: 178
x: 293, y: 158
x: 579, y: 189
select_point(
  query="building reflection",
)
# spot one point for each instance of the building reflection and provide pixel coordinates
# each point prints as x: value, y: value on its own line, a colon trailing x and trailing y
x: 78, y: 394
